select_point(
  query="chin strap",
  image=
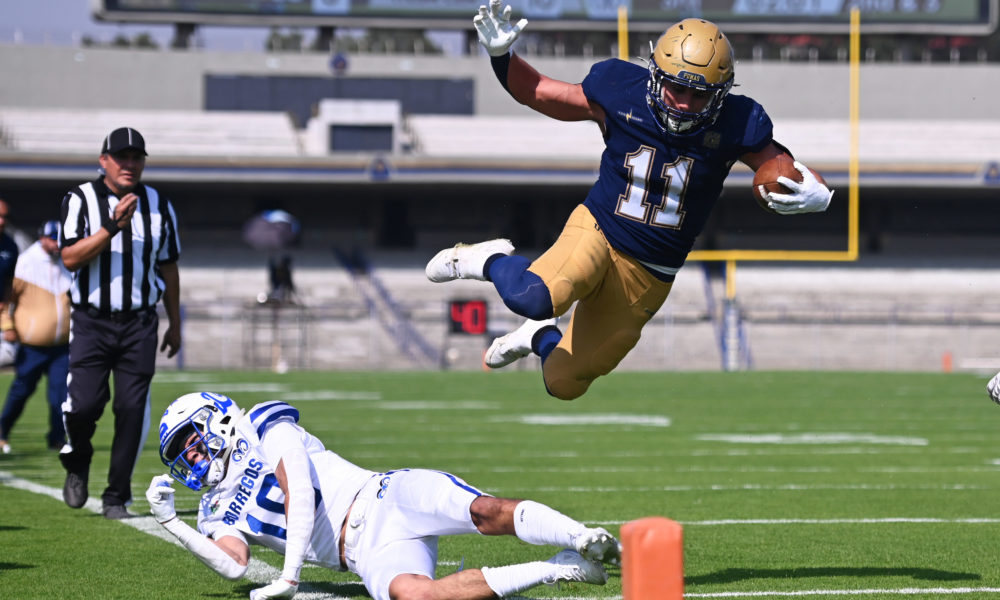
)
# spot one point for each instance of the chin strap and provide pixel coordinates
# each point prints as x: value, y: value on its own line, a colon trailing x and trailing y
x: 198, y: 471
x: 206, y: 550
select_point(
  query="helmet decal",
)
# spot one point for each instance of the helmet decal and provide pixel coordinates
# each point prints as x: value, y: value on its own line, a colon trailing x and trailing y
x: 196, y: 434
x: 690, y: 54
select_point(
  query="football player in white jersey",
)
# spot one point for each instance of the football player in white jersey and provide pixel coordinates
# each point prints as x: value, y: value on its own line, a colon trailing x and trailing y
x: 267, y: 481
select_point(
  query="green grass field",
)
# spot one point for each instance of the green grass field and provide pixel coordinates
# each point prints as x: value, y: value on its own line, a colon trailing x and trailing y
x: 824, y: 485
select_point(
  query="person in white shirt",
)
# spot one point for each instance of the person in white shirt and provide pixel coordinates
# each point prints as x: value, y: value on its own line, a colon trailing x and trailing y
x: 37, y: 320
x: 267, y: 481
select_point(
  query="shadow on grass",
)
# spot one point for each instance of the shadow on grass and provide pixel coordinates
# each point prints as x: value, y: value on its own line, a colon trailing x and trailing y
x: 339, y: 589
x: 732, y: 575
x: 9, y: 566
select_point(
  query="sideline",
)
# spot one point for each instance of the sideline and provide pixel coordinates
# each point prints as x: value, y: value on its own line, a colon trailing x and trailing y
x: 258, y: 571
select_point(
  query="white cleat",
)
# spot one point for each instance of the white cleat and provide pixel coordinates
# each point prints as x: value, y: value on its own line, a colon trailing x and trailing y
x: 465, y: 261
x: 515, y: 345
x: 599, y: 545
x: 573, y: 567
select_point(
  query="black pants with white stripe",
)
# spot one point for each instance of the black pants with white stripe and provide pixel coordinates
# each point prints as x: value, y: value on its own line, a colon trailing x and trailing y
x: 123, y: 344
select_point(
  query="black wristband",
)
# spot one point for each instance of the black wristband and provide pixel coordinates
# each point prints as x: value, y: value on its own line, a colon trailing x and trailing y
x: 501, y: 64
x: 112, y: 227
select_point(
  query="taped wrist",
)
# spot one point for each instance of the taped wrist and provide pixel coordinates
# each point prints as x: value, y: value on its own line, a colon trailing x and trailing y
x: 501, y: 65
x: 112, y: 226
x: 206, y: 551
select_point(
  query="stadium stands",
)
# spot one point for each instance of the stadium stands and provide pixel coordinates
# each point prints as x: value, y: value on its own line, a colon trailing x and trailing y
x: 176, y: 132
x: 264, y: 135
x: 519, y: 137
x: 876, y: 317
x: 888, y: 312
x: 894, y: 140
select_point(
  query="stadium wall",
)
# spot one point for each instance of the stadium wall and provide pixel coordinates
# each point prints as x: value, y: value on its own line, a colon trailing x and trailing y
x: 61, y: 77
x: 867, y: 317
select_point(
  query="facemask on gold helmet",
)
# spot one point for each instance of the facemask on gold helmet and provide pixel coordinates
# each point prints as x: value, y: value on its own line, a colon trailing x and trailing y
x: 694, y: 54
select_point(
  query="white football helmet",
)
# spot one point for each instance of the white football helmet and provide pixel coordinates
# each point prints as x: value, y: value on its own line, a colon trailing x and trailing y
x: 202, y: 420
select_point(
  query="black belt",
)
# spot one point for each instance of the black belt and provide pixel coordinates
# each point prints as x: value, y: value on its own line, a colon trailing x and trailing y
x: 118, y: 316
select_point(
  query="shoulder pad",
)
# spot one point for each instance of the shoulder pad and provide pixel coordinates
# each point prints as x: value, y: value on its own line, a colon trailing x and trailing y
x: 264, y: 415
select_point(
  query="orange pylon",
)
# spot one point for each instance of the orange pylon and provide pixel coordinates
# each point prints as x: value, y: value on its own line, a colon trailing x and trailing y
x: 652, y: 559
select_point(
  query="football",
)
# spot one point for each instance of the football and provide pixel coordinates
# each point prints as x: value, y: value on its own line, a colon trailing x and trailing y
x: 767, y: 176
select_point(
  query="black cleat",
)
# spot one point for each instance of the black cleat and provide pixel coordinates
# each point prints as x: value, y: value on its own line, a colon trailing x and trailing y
x: 116, y: 511
x: 75, y: 490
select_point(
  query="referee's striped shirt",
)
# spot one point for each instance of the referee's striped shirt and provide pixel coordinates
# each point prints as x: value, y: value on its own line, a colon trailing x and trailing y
x: 124, y: 276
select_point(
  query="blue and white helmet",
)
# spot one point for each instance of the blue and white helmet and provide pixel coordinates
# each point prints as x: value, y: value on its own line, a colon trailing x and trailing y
x: 202, y: 418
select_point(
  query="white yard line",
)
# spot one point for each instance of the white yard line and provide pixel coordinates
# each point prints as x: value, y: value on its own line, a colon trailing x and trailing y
x: 750, y: 487
x: 734, y: 469
x: 261, y: 572
x: 323, y: 395
x: 870, y: 521
x: 868, y: 592
x: 257, y: 571
x: 588, y: 419
x: 833, y: 438
x: 923, y: 592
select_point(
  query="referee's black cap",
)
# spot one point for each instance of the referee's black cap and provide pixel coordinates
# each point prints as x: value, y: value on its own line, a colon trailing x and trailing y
x: 122, y: 139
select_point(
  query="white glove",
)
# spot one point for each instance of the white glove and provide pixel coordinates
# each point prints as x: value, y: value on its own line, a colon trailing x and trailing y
x: 279, y: 588
x: 161, y: 498
x: 993, y: 387
x: 806, y: 197
x: 496, y: 34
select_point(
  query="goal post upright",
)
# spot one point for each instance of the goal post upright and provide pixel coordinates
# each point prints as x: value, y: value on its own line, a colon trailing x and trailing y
x: 848, y: 254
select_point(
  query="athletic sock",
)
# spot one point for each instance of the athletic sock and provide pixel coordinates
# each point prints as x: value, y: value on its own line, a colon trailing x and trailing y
x: 540, y: 525
x: 511, y: 579
x: 545, y: 340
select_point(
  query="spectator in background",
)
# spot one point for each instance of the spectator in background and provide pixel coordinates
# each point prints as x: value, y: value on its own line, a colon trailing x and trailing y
x: 120, y: 242
x: 282, y: 286
x: 37, y: 316
x: 8, y: 258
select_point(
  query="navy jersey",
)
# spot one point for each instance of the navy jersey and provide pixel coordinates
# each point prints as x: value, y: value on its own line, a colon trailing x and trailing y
x: 8, y: 260
x: 655, y: 191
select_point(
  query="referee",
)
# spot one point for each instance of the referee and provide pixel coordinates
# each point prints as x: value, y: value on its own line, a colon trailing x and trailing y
x: 120, y: 241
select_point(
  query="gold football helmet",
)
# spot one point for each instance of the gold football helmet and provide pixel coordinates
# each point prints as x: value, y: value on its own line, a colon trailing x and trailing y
x: 695, y: 54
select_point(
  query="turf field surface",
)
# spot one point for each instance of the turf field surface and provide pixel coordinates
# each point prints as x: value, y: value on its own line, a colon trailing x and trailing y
x: 820, y: 485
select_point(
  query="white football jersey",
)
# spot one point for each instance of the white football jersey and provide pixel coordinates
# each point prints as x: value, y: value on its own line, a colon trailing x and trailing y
x: 249, y: 503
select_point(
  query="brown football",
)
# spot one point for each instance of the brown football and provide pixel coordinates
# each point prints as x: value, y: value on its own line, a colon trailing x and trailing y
x: 768, y: 173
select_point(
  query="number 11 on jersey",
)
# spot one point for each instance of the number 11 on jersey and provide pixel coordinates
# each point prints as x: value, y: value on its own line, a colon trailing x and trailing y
x: 634, y: 205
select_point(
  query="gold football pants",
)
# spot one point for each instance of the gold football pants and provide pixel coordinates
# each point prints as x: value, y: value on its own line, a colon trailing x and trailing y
x: 615, y: 298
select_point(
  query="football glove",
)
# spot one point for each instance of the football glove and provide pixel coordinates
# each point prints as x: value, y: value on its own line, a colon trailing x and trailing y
x: 496, y: 34
x: 279, y: 588
x: 993, y: 387
x: 806, y: 197
x: 161, y: 498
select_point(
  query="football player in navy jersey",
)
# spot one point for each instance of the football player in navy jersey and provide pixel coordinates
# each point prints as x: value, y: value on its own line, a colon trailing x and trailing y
x: 265, y: 480
x: 672, y: 132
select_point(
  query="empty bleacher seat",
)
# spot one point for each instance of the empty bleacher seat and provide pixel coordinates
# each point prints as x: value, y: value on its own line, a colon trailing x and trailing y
x: 167, y: 132
x: 519, y: 137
